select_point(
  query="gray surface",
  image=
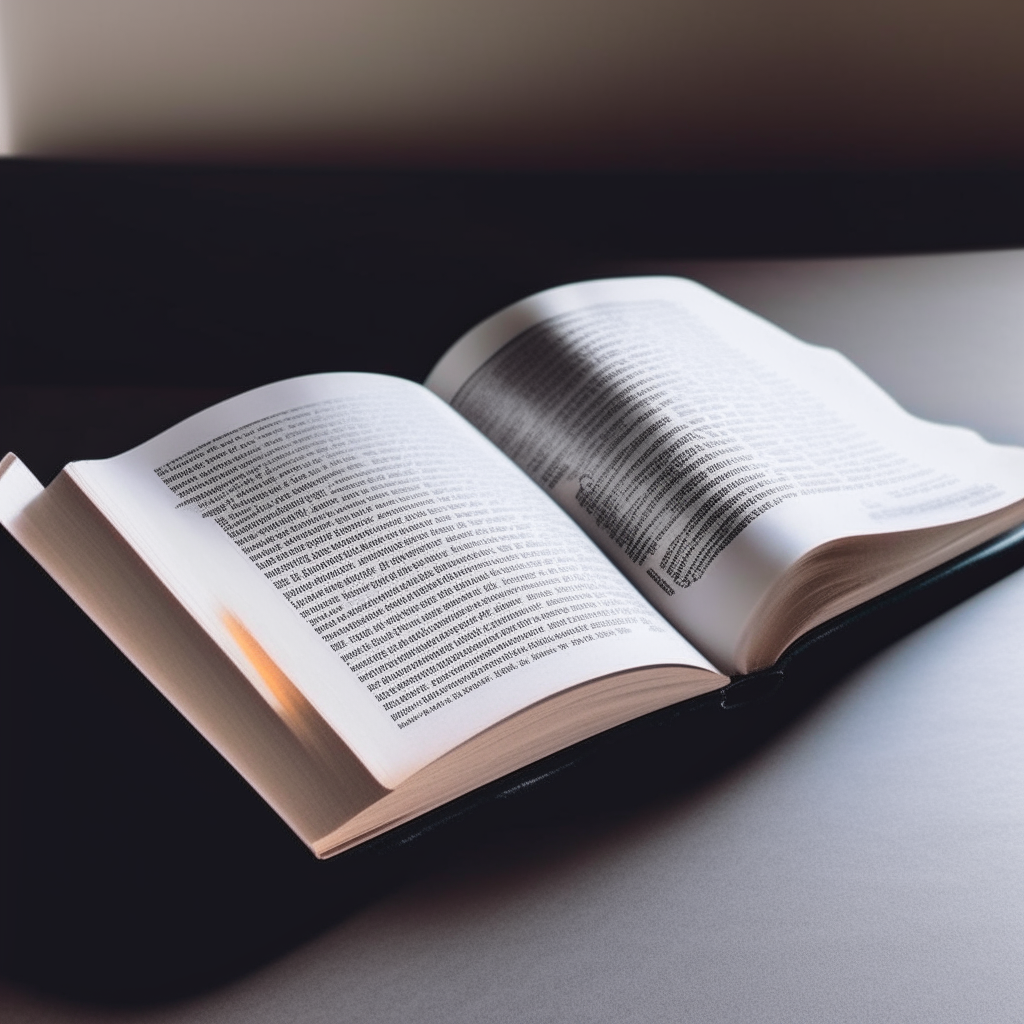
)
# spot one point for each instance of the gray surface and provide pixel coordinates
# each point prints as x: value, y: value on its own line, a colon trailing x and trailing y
x: 943, y: 334
x: 866, y: 866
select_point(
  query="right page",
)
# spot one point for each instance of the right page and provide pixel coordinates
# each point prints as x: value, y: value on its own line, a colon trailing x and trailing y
x: 715, y: 458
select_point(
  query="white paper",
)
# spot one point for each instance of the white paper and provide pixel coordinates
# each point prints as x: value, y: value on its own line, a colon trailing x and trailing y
x: 399, y: 570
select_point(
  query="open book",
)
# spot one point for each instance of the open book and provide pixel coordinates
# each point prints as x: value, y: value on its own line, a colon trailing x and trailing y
x: 373, y: 596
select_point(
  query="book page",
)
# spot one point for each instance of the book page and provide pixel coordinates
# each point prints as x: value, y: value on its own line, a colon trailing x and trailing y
x: 405, y: 575
x: 703, y: 448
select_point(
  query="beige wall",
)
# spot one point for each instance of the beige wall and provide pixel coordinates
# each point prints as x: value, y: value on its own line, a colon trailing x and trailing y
x: 541, y: 83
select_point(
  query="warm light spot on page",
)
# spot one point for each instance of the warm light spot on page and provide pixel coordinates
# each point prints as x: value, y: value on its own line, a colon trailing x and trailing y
x: 280, y: 692
x: 287, y: 700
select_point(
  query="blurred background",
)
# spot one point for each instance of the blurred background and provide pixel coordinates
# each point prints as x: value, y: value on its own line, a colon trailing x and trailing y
x: 190, y: 182
x: 539, y: 84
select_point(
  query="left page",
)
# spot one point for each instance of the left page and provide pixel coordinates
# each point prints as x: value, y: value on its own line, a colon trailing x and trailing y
x: 400, y: 571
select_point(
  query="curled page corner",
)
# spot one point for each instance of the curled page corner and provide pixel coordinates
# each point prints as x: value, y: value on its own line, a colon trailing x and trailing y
x: 18, y: 488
